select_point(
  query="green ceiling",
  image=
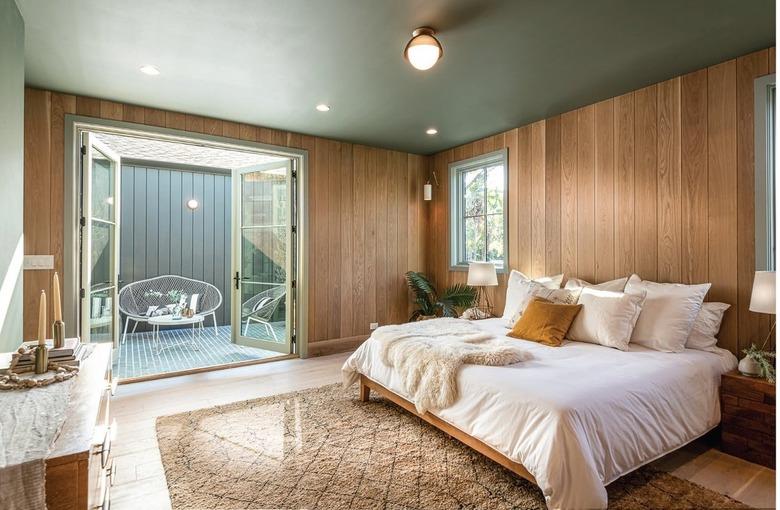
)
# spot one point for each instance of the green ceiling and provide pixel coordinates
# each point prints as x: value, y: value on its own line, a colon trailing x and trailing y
x: 506, y: 63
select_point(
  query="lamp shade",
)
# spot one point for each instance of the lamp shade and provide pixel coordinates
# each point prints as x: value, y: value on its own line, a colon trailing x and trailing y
x: 482, y: 274
x: 762, y: 300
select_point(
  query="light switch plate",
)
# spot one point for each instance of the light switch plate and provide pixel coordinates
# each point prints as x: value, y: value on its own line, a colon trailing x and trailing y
x: 36, y: 262
x: 372, y: 326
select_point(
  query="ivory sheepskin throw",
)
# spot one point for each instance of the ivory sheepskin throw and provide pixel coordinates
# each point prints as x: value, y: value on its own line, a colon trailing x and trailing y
x: 428, y: 354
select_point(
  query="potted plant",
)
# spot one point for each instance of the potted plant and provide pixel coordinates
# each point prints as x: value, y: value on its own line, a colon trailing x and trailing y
x: 431, y: 304
x: 758, y: 363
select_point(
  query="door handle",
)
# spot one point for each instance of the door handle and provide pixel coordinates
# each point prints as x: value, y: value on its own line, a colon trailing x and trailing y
x: 237, y: 278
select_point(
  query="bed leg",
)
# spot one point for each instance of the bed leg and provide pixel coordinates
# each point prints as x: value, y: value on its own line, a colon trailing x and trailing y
x: 365, y: 391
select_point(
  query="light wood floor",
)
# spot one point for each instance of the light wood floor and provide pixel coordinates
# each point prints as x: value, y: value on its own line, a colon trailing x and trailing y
x: 139, y: 472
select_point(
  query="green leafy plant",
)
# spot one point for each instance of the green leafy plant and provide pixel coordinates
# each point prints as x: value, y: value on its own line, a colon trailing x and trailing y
x: 431, y: 303
x: 764, y: 360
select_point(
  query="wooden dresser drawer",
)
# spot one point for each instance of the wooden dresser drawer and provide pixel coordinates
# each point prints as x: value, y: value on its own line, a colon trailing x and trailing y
x: 748, y: 418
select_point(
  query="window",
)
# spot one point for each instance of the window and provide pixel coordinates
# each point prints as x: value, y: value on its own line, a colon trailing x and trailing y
x: 766, y: 206
x: 478, y: 200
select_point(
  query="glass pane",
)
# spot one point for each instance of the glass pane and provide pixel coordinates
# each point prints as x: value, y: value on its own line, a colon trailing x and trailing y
x: 264, y: 197
x: 263, y: 254
x: 102, y: 186
x: 101, y: 315
x: 263, y: 285
x: 474, y: 238
x: 473, y: 192
x: 495, y: 239
x: 495, y: 189
x: 102, y: 248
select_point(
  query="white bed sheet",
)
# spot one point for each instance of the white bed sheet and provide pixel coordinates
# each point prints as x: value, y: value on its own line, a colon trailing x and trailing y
x: 581, y: 415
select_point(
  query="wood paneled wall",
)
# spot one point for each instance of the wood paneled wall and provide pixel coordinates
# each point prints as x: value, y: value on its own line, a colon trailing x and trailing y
x: 366, y: 214
x: 659, y: 181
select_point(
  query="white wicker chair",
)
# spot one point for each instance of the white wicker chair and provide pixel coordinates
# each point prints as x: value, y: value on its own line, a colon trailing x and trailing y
x: 261, y: 307
x: 137, y: 298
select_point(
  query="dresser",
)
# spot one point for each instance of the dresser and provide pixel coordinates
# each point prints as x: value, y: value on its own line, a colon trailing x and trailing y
x: 79, y: 468
x: 748, y: 418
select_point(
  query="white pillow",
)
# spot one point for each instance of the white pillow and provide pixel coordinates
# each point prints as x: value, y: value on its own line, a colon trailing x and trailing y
x: 606, y: 318
x: 612, y: 285
x: 529, y: 290
x: 667, y: 314
x: 706, y: 326
x: 514, y: 292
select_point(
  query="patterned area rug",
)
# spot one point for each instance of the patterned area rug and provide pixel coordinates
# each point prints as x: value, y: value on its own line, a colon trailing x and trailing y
x: 323, y: 448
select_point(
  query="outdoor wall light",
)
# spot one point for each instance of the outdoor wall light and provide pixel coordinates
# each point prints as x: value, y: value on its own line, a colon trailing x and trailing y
x: 192, y: 204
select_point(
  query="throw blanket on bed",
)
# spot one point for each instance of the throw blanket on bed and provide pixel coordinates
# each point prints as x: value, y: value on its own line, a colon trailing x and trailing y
x: 428, y: 354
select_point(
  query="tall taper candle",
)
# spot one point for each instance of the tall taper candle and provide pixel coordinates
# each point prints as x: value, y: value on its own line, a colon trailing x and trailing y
x: 56, y: 298
x: 42, y: 319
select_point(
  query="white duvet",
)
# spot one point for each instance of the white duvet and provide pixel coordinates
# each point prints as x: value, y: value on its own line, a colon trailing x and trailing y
x: 581, y: 415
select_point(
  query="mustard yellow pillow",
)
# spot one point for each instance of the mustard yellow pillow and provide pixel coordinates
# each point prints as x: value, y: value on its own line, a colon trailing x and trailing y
x: 545, y: 322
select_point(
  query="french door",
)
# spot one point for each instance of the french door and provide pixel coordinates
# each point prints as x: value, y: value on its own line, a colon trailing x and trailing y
x: 264, y: 234
x: 100, y: 180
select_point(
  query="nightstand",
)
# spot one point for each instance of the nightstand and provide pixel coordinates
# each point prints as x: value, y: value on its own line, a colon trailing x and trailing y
x: 748, y: 422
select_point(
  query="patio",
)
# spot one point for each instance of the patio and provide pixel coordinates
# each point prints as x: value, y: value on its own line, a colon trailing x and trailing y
x: 136, y: 358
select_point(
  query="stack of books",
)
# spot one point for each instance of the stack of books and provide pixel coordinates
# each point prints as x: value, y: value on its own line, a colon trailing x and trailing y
x: 71, y: 353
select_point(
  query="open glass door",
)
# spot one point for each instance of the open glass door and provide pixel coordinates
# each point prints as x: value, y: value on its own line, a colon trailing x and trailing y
x: 262, y: 256
x: 99, y: 241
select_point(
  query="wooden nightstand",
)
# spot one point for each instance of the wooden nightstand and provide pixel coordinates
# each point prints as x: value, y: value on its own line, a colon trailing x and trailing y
x: 748, y: 422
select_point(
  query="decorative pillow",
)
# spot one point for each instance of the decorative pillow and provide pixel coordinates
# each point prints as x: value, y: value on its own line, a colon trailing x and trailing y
x: 706, y: 326
x: 607, y: 318
x: 529, y: 290
x: 545, y: 322
x: 515, y: 293
x: 667, y: 314
x: 613, y: 285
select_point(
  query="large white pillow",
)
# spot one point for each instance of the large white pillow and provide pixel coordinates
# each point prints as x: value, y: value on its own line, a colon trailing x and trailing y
x: 606, y: 318
x: 529, y: 290
x: 515, y: 293
x: 706, y: 326
x: 668, y: 313
x: 612, y: 285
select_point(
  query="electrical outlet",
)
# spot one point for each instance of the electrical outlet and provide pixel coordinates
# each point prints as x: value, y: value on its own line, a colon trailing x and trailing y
x: 373, y: 326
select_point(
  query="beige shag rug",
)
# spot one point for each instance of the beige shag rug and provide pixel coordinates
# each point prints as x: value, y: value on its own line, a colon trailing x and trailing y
x: 323, y: 448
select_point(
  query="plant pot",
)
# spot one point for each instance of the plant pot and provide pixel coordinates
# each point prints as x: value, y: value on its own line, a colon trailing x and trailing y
x: 749, y: 367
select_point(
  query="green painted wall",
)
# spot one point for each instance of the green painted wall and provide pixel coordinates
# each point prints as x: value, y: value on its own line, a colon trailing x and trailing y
x: 11, y: 172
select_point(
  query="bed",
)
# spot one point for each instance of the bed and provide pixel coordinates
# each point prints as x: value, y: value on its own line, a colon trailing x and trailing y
x: 574, y: 418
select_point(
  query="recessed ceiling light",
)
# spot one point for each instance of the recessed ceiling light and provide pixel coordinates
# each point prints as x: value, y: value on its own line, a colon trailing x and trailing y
x: 150, y: 70
x: 431, y: 131
x: 322, y: 107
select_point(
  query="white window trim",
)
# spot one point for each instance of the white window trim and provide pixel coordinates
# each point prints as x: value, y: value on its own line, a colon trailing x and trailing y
x: 456, y: 239
x: 764, y: 191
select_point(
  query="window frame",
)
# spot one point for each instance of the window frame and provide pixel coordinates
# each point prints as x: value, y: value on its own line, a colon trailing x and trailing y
x: 457, y: 228
x: 765, y: 93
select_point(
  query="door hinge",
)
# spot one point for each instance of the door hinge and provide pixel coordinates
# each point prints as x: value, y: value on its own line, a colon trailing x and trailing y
x: 84, y: 150
x: 294, y: 174
x: 82, y: 294
x: 292, y: 284
x: 294, y: 339
x: 83, y: 221
x: 294, y: 229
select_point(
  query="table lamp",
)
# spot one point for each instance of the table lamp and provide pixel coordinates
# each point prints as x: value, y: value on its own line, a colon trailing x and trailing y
x: 481, y: 275
x: 762, y: 300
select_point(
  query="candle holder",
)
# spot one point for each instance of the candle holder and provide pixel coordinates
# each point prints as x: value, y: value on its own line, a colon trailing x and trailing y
x: 58, y: 333
x: 41, y: 359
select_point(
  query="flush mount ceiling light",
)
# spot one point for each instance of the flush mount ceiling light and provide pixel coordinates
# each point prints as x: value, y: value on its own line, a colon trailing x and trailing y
x: 423, y: 50
x: 322, y: 107
x: 149, y: 69
x: 431, y: 131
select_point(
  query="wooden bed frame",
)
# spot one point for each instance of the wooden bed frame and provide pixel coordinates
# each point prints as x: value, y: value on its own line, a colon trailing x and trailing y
x: 366, y: 385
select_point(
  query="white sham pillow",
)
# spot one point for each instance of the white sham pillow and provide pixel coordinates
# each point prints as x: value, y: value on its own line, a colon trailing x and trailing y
x: 706, y: 326
x: 668, y: 313
x: 613, y: 285
x: 529, y: 290
x: 607, y: 317
x: 515, y: 293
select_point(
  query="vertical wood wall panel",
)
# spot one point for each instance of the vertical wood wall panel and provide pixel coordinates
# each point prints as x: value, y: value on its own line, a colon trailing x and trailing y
x: 658, y: 181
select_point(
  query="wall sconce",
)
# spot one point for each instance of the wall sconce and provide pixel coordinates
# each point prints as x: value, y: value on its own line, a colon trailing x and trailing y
x: 192, y: 204
x: 428, y: 188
